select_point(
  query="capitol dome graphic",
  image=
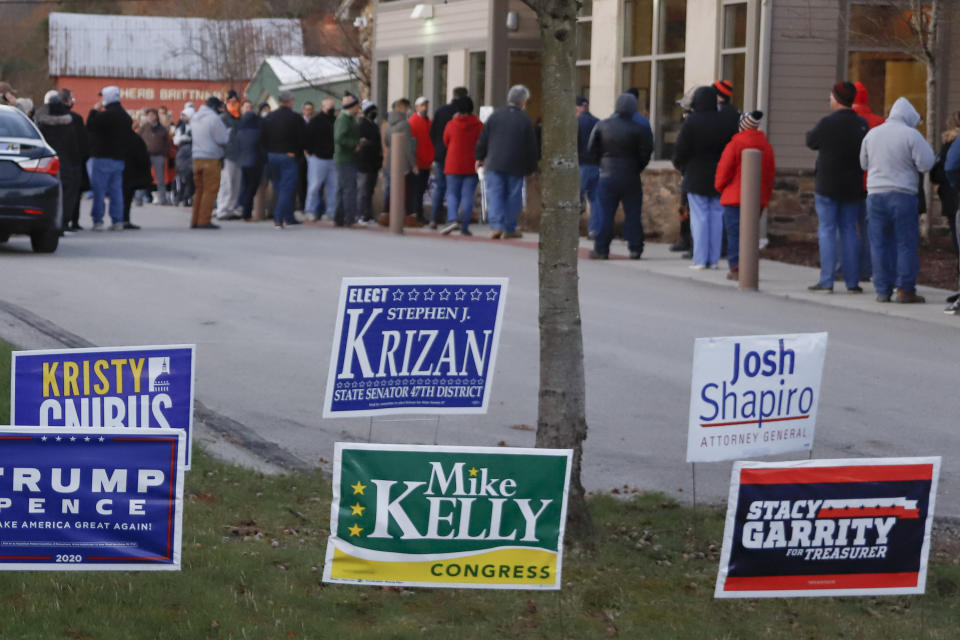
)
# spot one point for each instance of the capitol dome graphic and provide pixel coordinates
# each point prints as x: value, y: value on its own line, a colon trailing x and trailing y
x: 159, y: 371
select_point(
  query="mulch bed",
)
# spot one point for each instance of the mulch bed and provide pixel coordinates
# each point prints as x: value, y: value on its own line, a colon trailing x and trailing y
x: 938, y: 266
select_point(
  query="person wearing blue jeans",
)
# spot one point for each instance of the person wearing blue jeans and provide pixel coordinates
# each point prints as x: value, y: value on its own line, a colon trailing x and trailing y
x: 833, y: 217
x: 731, y: 229
x: 321, y: 175
x: 894, y: 233
x: 439, y: 195
x: 282, y: 170
x: 589, y: 181
x: 706, y: 227
x: 504, y: 201
x: 460, y: 194
x: 107, y: 181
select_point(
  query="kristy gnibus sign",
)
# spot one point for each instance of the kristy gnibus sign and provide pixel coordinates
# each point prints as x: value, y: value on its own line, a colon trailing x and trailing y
x: 754, y: 395
x: 828, y: 528
x: 468, y: 517
x: 111, y: 387
x: 414, y: 345
x: 90, y: 500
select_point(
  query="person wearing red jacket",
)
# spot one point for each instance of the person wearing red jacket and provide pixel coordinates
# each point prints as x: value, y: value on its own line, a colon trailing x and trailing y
x: 460, y: 136
x: 727, y: 181
x: 861, y: 105
x: 420, y: 131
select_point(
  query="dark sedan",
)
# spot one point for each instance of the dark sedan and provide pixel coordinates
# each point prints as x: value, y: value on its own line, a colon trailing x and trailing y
x: 29, y: 183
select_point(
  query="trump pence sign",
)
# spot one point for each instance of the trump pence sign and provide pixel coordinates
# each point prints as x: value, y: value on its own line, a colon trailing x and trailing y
x: 79, y: 499
x: 113, y: 388
x: 754, y: 395
x: 414, y: 345
x: 828, y: 528
x: 467, y: 517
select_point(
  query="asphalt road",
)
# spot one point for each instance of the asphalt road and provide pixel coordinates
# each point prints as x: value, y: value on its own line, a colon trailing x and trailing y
x: 260, y: 306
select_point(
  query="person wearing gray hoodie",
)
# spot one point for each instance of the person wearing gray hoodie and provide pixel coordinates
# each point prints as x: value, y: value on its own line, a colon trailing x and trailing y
x: 894, y: 154
x: 397, y: 123
x: 210, y: 137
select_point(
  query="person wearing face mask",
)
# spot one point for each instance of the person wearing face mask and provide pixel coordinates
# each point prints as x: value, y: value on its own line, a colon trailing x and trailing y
x: 231, y: 174
x: 397, y: 123
x: 321, y: 170
x: 347, y: 142
x: 369, y: 161
x: 157, y: 138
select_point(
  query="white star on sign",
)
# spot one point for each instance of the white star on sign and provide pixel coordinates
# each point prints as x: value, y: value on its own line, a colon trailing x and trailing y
x: 475, y: 294
x: 491, y: 295
x: 73, y: 438
x: 44, y: 438
x: 59, y: 438
x: 87, y: 439
x: 413, y: 294
x: 428, y: 295
x: 445, y: 295
x: 397, y: 295
x: 100, y: 438
x: 460, y: 295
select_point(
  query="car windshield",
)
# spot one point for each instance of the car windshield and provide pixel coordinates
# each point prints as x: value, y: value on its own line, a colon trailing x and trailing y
x: 13, y: 124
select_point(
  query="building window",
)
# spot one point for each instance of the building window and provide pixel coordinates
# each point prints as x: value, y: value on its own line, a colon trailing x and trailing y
x: 880, y: 41
x: 439, y: 81
x: 478, y: 77
x: 584, y: 43
x: 654, y: 41
x: 383, y: 81
x: 414, y: 78
x: 733, y: 48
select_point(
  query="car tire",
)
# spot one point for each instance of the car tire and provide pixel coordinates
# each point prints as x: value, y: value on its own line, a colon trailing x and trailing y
x: 45, y: 240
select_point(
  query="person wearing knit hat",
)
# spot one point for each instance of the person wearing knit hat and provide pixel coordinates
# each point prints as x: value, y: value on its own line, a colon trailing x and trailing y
x: 420, y: 130
x: 347, y: 143
x: 349, y: 100
x: 724, y: 90
x: 108, y: 126
x: 839, y: 191
x: 369, y: 161
x: 727, y: 181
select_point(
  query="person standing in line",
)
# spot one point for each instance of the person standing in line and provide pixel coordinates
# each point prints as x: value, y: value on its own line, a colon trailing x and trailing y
x: 252, y: 159
x: 157, y: 139
x: 702, y: 138
x: 725, y: 102
x: 861, y: 104
x: 321, y: 170
x: 397, y: 123
x: 183, y: 140
x: 949, y: 198
x: 839, y: 188
x: 108, y: 126
x: 951, y: 170
x: 460, y: 138
x: 266, y: 197
x: 623, y: 146
x: 507, y: 150
x: 420, y: 130
x: 369, y: 161
x: 54, y: 121
x: 210, y: 138
x: 136, y: 173
x: 282, y: 134
x: 441, y: 117
x: 589, y: 169
x: 303, y: 170
x: 727, y: 181
x: 230, y: 174
x: 893, y: 155
x: 71, y: 216
x: 346, y: 143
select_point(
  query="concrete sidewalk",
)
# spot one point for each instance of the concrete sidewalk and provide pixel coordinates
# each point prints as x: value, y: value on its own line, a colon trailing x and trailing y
x: 776, y: 278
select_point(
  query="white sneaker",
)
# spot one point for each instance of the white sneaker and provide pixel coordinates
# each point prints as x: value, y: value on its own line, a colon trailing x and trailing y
x: 97, y: 226
x: 447, y: 230
x: 278, y: 227
x: 698, y: 267
x: 116, y: 226
x: 310, y: 217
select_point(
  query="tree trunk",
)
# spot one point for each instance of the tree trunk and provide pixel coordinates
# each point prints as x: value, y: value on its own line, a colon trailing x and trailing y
x: 561, y: 414
x: 932, y: 48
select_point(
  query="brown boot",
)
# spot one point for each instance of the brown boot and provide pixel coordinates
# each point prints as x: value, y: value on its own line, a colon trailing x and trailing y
x: 513, y: 234
x: 496, y: 233
x: 909, y: 298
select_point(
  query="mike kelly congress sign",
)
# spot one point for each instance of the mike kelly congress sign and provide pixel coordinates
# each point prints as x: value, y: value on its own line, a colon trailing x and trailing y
x: 828, y: 528
x: 474, y: 517
x: 90, y: 500
x: 754, y: 395
x: 111, y: 387
x: 414, y: 345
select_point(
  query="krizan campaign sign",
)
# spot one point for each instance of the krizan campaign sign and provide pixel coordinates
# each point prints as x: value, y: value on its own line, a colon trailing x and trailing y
x: 474, y: 517
x: 414, y: 345
x: 828, y: 528
x: 754, y: 395
x: 112, y: 387
x: 78, y: 499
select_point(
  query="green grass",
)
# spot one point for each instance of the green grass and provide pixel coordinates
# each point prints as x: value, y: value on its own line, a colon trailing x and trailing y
x: 253, y: 551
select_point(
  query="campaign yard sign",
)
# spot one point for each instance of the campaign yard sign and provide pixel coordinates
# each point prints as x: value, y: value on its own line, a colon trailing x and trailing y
x: 414, y: 345
x: 110, y: 387
x: 465, y: 517
x: 754, y: 395
x: 79, y: 499
x: 828, y: 528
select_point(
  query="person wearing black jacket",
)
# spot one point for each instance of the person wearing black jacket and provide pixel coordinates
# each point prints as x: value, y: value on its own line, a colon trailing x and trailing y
x: 704, y: 134
x: 109, y: 127
x: 54, y: 121
x: 623, y: 147
x: 321, y: 170
x: 71, y: 217
x: 369, y: 161
x: 282, y: 135
x: 251, y: 158
x: 839, y: 191
x: 441, y: 117
x: 136, y: 173
x: 508, y: 151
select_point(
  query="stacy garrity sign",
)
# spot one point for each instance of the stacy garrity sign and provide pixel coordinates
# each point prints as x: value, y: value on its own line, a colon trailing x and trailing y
x: 754, y: 395
x: 475, y: 517
x: 105, y: 387
x: 828, y: 528
x: 414, y: 345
